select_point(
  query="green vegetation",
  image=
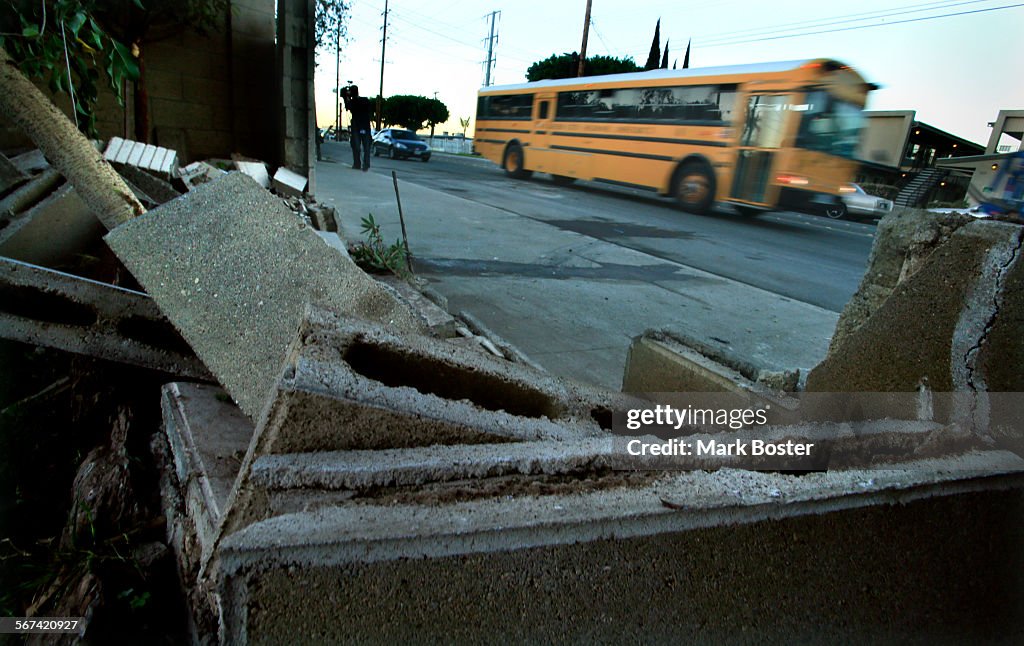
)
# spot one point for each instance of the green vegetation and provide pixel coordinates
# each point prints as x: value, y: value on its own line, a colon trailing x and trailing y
x: 376, y: 255
x: 414, y: 112
x: 62, y: 43
x: 329, y: 25
x: 564, y: 66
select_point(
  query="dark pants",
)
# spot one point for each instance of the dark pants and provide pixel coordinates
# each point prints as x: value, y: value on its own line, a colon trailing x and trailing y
x: 361, y: 141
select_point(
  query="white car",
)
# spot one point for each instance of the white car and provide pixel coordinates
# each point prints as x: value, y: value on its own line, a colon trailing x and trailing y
x: 858, y: 203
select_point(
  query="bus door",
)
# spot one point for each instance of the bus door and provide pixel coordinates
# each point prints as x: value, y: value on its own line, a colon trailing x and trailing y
x: 764, y: 130
x: 541, y: 131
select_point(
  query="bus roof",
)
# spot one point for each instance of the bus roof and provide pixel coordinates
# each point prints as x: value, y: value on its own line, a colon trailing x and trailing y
x: 724, y: 70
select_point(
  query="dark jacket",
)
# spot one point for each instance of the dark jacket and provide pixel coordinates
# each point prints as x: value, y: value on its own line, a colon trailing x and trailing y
x: 360, y: 109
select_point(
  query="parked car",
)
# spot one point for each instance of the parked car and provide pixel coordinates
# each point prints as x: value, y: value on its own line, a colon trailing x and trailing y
x: 859, y: 203
x: 398, y: 144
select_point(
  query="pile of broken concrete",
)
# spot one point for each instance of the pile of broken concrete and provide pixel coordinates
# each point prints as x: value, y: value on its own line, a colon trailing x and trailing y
x: 343, y: 461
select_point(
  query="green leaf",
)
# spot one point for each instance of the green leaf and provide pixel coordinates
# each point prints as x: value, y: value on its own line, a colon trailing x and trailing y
x: 138, y: 3
x: 76, y: 22
x: 30, y: 32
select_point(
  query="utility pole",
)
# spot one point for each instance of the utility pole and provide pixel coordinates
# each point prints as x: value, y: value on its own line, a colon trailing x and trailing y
x: 583, y: 47
x: 490, y: 50
x: 337, y: 80
x: 380, y: 92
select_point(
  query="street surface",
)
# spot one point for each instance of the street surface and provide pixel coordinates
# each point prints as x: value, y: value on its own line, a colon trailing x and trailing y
x: 570, y: 274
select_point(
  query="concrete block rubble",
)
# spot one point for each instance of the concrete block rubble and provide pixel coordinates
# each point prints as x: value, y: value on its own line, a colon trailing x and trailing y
x: 36, y: 201
x: 342, y: 459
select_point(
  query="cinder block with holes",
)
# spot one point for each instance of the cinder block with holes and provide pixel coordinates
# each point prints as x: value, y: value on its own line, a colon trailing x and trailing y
x: 402, y: 544
x: 350, y: 386
x: 57, y: 310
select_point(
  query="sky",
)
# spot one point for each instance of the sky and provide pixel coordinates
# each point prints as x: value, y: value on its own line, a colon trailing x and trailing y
x: 956, y: 62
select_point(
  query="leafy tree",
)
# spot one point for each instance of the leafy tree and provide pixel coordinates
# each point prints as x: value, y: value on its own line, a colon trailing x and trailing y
x: 63, y: 43
x: 413, y: 112
x: 437, y: 112
x: 655, y: 53
x: 331, y: 22
x: 563, y: 66
x: 464, y: 122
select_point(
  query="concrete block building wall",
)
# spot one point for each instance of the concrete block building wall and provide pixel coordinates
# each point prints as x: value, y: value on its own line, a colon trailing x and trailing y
x: 209, y: 95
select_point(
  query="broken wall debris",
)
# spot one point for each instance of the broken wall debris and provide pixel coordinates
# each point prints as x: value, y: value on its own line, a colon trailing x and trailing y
x: 56, y: 310
x: 233, y: 270
x: 497, y: 523
x: 933, y: 330
x: 903, y: 241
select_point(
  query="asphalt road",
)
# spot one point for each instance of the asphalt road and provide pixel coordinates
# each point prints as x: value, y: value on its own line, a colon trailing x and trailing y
x: 803, y: 257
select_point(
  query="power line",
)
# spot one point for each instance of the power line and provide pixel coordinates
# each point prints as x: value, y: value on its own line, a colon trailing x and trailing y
x: 853, y: 17
x: 885, y: 24
x: 828, y: 22
x: 600, y: 37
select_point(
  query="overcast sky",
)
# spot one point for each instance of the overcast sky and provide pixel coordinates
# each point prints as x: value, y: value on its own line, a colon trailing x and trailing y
x: 957, y: 63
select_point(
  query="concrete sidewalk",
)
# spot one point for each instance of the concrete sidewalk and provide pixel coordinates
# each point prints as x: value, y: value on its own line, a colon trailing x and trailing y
x: 571, y: 302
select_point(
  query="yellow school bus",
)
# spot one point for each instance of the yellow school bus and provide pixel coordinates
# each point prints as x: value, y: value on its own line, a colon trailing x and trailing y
x: 759, y: 137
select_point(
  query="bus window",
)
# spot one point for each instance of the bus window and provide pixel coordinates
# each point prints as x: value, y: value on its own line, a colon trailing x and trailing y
x: 704, y: 104
x: 510, y: 106
x: 829, y: 125
x: 543, y: 110
x: 766, y: 121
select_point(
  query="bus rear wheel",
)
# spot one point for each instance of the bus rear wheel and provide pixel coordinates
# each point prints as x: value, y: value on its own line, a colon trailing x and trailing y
x: 694, y: 188
x: 513, y: 162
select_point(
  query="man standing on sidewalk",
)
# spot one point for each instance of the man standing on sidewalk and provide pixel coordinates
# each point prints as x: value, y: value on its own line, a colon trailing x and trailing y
x: 359, y: 106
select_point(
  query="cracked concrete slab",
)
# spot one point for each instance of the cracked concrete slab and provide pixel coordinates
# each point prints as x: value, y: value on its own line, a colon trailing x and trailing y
x: 922, y: 335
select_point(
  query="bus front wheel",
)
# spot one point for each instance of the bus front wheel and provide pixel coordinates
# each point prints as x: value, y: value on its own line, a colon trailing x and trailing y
x: 514, y: 164
x: 695, y: 188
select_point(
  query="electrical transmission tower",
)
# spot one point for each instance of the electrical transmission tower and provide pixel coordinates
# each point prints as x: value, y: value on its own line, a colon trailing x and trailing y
x: 491, y: 40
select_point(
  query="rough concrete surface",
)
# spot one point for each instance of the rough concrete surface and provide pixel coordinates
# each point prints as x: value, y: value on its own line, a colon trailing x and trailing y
x: 155, y: 188
x: 928, y: 332
x: 349, y: 386
x: 29, y: 193
x: 881, y: 574
x: 659, y: 364
x: 903, y: 241
x: 330, y: 548
x: 233, y: 270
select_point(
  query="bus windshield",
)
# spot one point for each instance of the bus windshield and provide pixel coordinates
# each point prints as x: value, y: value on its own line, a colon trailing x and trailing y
x: 829, y: 125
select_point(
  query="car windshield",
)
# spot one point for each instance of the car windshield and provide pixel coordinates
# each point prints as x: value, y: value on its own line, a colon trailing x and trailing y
x: 405, y: 135
x: 830, y: 125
